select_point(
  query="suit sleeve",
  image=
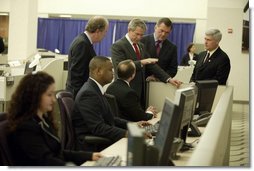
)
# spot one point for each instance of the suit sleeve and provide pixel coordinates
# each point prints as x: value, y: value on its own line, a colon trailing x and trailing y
x: 223, y: 72
x: 133, y: 109
x: 158, y: 72
x: 172, y: 67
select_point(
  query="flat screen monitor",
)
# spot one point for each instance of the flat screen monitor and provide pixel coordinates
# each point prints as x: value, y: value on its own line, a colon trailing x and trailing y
x: 185, y: 99
x: 138, y: 152
x: 27, y: 69
x: 206, y: 94
x: 169, y: 124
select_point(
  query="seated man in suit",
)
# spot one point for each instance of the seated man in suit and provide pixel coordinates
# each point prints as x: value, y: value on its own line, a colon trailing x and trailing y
x: 92, y: 114
x: 214, y: 63
x: 127, y: 98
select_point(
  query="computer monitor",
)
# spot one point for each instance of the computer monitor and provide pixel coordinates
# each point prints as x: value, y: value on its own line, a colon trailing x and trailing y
x: 28, y: 69
x: 206, y: 94
x: 138, y: 152
x: 168, y: 128
x: 184, y: 99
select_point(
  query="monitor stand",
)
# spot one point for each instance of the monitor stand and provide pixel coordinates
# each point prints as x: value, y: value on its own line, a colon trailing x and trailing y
x: 176, y: 146
x: 194, y: 131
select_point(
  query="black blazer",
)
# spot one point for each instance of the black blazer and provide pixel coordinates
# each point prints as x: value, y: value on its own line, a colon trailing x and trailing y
x: 35, y: 144
x: 217, y: 67
x: 167, y: 56
x: 122, y: 50
x: 127, y: 101
x: 186, y: 58
x: 1, y: 45
x: 92, y: 115
x: 80, y: 53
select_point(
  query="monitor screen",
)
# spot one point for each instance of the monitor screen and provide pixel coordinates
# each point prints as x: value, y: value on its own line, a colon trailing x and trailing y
x: 27, y: 69
x: 185, y: 98
x: 169, y: 123
x: 206, y: 94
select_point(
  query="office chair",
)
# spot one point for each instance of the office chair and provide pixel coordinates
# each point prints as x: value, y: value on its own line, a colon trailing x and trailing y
x: 66, y: 102
x: 5, y: 153
x: 113, y: 104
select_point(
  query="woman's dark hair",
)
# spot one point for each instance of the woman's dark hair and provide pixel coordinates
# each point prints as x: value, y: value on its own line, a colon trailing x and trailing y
x: 189, y: 47
x: 26, y: 99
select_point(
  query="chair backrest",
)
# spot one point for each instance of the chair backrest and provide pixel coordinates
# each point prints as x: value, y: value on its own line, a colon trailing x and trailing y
x: 5, y: 153
x: 66, y: 102
x: 113, y: 104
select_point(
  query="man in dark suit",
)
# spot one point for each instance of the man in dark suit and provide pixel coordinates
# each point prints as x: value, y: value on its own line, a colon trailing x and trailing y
x: 127, y: 98
x: 130, y: 47
x: 92, y: 114
x: 214, y: 63
x: 1, y: 44
x: 82, y: 51
x: 158, y: 46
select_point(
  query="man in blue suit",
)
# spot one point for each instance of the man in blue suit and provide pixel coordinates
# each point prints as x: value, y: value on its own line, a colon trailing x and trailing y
x: 82, y: 51
x: 214, y: 63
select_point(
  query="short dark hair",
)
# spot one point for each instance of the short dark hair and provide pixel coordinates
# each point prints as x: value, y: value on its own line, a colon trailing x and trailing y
x: 166, y: 21
x: 96, y: 22
x: 97, y: 62
x: 125, y: 69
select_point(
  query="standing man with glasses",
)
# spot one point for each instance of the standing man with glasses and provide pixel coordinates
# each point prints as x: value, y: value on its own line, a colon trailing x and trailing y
x: 130, y: 47
x: 81, y: 52
x: 158, y: 46
x: 213, y: 63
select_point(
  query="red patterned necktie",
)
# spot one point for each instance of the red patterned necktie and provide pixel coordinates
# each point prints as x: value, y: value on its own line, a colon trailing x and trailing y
x: 137, y: 51
x: 158, y: 48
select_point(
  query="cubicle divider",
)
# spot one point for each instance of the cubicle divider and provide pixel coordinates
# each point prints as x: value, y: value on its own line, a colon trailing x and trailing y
x: 214, y: 145
x: 158, y: 91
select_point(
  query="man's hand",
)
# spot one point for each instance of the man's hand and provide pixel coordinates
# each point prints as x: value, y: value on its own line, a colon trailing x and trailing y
x: 175, y: 82
x: 153, y: 110
x: 96, y: 156
x: 143, y: 123
x: 148, y: 61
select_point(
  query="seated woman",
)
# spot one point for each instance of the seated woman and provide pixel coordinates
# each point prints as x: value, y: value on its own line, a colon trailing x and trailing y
x: 33, y: 131
x: 190, y: 57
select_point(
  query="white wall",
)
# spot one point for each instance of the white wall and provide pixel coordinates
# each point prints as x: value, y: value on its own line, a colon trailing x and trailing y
x: 158, y: 8
x: 229, y: 14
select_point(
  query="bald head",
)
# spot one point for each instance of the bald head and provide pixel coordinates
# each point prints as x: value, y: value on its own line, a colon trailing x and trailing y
x: 126, y: 69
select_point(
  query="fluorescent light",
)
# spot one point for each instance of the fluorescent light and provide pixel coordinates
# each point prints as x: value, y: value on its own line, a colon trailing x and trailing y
x: 3, y: 13
x: 65, y: 16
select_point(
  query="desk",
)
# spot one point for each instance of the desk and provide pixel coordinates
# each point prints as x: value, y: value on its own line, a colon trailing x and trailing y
x: 120, y: 148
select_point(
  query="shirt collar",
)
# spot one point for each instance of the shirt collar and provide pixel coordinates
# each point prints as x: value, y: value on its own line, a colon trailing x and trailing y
x: 98, y: 84
x: 89, y: 38
x: 211, y: 52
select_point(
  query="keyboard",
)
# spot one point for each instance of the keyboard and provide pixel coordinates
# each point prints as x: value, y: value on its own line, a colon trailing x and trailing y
x: 109, y: 161
x: 153, y: 129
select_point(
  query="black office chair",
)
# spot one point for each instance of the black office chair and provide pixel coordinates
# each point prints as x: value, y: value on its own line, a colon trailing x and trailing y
x: 5, y: 153
x: 66, y: 103
x: 113, y: 104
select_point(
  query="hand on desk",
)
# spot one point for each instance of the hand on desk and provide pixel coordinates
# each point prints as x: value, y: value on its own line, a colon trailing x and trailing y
x: 96, y: 156
x: 175, y: 82
x: 152, y: 110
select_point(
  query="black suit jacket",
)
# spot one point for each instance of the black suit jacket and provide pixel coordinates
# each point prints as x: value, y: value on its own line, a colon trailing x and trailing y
x: 1, y: 45
x: 122, y: 50
x: 186, y: 58
x: 127, y: 101
x: 33, y: 143
x: 217, y: 67
x: 80, y: 53
x: 167, y: 56
x: 92, y: 115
